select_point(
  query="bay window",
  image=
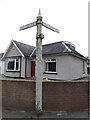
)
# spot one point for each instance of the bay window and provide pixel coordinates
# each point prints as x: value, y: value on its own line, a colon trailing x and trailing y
x: 13, y: 64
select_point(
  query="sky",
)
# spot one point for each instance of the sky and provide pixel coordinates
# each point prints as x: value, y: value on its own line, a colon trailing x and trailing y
x: 69, y: 16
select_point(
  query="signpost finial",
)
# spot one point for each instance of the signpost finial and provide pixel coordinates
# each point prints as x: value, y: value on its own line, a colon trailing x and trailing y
x: 39, y: 14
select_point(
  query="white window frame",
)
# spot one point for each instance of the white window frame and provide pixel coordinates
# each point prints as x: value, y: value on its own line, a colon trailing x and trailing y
x: 15, y: 60
x: 46, y: 66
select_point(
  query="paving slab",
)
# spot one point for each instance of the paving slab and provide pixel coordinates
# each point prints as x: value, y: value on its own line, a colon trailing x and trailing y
x: 50, y: 114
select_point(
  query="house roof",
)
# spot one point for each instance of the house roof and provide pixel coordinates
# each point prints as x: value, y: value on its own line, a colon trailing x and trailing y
x: 62, y: 47
x: 24, y: 48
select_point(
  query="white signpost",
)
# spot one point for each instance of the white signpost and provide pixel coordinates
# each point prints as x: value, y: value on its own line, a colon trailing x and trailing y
x: 39, y: 36
x: 28, y: 26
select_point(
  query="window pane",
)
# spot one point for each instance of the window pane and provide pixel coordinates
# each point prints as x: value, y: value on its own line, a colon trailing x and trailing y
x: 17, y: 65
x: 52, y: 67
x: 11, y: 65
x: 46, y: 67
x: 83, y: 67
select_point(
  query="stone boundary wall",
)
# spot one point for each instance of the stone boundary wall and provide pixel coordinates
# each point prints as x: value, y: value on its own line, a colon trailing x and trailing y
x: 57, y: 96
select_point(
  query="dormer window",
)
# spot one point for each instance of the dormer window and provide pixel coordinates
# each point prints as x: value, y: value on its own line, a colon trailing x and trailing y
x: 13, y: 64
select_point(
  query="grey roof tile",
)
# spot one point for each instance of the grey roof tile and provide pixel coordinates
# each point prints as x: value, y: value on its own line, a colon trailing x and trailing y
x: 49, y: 49
x: 24, y: 48
x: 59, y: 48
x: 53, y: 48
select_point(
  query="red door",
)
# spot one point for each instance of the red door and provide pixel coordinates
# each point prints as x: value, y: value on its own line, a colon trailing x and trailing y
x: 32, y: 68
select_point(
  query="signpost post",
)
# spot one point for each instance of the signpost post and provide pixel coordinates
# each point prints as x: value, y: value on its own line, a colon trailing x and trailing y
x: 39, y: 36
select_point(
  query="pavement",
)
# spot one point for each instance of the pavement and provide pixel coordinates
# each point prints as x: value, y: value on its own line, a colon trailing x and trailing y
x: 51, y: 114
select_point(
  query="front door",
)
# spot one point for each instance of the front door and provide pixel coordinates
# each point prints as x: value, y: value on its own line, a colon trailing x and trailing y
x: 32, y: 68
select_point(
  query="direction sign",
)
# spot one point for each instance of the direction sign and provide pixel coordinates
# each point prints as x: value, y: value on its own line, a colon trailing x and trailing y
x: 27, y: 26
x: 38, y: 74
x: 50, y: 27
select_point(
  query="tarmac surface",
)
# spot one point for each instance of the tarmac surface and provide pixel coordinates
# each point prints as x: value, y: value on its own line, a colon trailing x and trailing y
x: 59, y: 114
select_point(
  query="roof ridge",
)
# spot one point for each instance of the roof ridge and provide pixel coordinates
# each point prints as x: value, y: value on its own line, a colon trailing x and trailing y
x: 23, y: 43
x: 53, y: 43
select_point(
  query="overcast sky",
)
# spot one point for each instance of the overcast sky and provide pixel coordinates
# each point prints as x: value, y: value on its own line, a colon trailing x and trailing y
x: 69, y: 16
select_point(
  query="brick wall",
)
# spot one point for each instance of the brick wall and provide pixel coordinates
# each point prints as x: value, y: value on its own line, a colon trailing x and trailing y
x: 57, y: 96
x: 68, y: 96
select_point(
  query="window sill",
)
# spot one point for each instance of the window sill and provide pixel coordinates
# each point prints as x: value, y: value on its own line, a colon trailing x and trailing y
x: 12, y: 71
x: 50, y: 73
